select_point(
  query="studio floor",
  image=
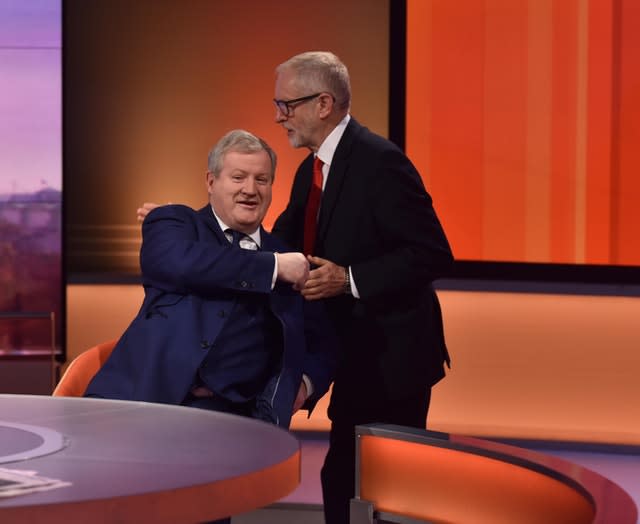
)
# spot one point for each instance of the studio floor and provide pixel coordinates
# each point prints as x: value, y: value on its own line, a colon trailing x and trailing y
x: 304, y: 504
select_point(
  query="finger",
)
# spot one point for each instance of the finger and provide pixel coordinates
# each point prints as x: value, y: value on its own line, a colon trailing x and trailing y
x: 315, y: 274
x: 311, y: 296
x: 318, y: 261
x: 315, y: 287
x: 312, y: 283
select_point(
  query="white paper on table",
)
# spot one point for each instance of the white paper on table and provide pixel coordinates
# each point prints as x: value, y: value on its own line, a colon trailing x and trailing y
x: 15, y: 482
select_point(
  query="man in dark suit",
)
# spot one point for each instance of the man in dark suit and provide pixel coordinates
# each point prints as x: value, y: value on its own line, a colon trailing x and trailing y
x: 223, y: 325
x: 375, y: 245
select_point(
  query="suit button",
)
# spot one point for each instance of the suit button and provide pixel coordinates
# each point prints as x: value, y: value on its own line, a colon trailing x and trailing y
x: 204, y: 344
x: 244, y: 283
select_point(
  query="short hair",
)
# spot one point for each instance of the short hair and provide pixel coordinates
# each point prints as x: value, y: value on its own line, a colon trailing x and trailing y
x: 321, y: 71
x: 240, y: 141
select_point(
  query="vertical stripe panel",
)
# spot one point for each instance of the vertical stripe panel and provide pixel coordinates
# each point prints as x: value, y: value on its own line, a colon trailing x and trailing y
x: 538, y: 170
x: 599, y: 129
x: 563, y: 131
x: 581, y: 130
x: 627, y: 212
x: 505, y: 105
x: 418, y: 95
x: 457, y: 56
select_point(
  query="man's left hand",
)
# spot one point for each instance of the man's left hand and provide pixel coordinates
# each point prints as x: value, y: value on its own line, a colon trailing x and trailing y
x: 326, y: 280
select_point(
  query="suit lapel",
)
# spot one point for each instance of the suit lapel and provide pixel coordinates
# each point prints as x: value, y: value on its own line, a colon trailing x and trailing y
x: 210, y: 220
x: 337, y: 175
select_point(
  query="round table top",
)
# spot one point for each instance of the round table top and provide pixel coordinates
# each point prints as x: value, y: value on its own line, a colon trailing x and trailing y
x: 141, y: 462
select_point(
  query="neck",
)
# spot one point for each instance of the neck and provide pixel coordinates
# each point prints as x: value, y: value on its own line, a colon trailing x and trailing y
x: 329, y: 124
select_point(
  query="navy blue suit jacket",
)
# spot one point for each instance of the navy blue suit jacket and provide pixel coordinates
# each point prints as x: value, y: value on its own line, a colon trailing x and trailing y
x: 192, y: 277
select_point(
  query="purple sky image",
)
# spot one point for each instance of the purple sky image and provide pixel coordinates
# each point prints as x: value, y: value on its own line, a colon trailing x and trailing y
x: 30, y: 95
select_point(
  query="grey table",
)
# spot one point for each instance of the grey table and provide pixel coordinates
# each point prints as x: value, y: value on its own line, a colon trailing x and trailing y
x: 140, y: 462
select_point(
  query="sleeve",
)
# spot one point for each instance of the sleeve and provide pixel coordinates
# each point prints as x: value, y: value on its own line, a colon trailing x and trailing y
x: 181, y: 255
x: 322, y: 349
x: 414, y: 248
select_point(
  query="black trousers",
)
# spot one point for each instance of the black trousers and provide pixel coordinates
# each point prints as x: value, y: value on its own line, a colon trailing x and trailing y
x: 338, y: 471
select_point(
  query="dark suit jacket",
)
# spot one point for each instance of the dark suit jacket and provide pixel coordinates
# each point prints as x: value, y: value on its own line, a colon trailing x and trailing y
x: 377, y: 217
x: 192, y: 277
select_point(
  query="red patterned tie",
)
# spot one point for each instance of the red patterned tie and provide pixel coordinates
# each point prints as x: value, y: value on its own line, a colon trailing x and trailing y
x: 313, y: 205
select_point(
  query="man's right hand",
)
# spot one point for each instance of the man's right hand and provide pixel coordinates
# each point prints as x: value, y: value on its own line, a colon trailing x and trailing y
x: 293, y: 268
x: 143, y: 211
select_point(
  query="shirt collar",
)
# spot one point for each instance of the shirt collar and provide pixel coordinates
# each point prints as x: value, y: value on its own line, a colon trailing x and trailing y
x: 328, y: 148
x: 255, y: 236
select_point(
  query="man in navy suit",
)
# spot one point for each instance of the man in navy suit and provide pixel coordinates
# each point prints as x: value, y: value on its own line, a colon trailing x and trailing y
x: 223, y: 325
x: 375, y: 245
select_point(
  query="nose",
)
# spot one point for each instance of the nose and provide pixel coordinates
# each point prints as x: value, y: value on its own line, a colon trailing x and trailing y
x: 249, y: 187
x: 280, y: 116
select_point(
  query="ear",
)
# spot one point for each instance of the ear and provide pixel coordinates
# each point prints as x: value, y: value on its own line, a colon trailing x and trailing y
x: 326, y: 103
x: 210, y: 180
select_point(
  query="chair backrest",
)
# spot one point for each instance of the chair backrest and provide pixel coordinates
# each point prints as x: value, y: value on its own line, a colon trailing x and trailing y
x: 82, y: 369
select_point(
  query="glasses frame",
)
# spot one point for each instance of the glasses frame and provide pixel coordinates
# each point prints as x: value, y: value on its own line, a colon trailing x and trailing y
x: 286, y: 107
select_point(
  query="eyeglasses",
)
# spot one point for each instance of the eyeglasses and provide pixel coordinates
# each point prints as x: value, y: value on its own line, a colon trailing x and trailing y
x: 286, y: 106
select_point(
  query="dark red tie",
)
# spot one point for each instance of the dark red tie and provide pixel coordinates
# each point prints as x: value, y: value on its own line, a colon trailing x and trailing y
x: 313, y: 205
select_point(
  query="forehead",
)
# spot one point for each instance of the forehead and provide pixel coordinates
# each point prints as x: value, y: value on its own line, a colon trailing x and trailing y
x: 287, y: 82
x: 258, y: 162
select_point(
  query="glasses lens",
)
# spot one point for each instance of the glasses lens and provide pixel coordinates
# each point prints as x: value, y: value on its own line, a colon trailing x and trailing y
x: 282, y: 107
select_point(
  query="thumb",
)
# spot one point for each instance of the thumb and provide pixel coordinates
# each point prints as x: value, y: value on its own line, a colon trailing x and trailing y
x: 317, y: 261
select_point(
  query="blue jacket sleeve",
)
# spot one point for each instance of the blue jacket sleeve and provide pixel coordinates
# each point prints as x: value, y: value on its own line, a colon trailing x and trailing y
x: 322, y: 351
x: 180, y: 254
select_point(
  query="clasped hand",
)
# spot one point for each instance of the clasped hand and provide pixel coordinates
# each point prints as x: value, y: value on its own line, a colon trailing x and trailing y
x: 293, y: 268
x: 325, y: 280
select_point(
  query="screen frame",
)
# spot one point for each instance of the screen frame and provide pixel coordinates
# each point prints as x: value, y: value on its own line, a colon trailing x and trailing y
x: 615, y: 275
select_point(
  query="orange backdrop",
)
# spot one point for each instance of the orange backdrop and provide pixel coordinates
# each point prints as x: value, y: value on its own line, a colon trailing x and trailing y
x: 520, y: 118
x: 143, y: 108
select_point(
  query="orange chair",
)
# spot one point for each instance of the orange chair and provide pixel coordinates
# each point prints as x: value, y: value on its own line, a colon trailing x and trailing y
x: 82, y: 369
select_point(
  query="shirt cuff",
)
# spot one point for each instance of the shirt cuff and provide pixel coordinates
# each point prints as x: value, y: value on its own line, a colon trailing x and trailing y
x: 308, y: 384
x: 352, y: 283
x: 275, y: 271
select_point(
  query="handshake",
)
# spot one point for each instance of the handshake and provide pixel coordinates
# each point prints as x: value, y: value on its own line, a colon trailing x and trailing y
x: 327, y: 279
x: 293, y: 268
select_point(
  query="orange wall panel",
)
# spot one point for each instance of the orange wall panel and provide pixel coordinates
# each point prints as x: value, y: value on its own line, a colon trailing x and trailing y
x: 520, y: 118
x: 599, y: 133
x: 563, y: 131
x: 539, y: 366
x: 504, y: 136
x: 627, y: 180
x: 445, y: 128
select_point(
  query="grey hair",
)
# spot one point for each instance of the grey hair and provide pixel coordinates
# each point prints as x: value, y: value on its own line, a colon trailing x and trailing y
x: 240, y: 141
x: 321, y: 71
